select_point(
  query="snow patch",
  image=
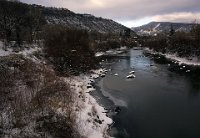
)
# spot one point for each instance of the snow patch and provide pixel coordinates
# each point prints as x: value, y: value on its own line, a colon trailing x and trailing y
x: 188, y: 61
x: 195, y: 61
x: 154, y: 29
x: 25, y: 51
x: 2, y: 51
x: 112, y: 51
x: 92, y: 119
x: 98, y: 54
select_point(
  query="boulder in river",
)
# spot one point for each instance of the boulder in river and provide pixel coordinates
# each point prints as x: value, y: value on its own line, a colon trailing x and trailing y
x: 103, y: 75
x: 117, y: 109
x: 132, y: 72
x: 187, y: 71
x: 130, y: 76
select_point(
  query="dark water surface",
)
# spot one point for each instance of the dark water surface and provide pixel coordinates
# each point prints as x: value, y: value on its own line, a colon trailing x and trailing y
x: 159, y: 102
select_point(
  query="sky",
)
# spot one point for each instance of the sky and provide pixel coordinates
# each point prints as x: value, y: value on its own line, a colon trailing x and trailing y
x: 131, y: 13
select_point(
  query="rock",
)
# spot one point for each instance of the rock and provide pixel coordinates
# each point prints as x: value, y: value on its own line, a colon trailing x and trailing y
x: 105, y: 71
x: 100, y: 122
x: 89, y: 86
x: 117, y: 109
x: 130, y: 76
x: 187, y: 71
x: 103, y: 75
x: 132, y: 72
x: 92, y: 81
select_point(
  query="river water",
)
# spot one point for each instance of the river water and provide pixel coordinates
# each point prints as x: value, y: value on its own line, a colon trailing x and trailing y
x: 162, y: 101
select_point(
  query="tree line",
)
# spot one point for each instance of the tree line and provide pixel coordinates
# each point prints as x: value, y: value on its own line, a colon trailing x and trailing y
x: 184, y: 44
x: 19, y: 22
x: 68, y: 49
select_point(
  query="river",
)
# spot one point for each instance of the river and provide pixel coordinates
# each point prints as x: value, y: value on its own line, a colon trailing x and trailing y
x: 162, y: 101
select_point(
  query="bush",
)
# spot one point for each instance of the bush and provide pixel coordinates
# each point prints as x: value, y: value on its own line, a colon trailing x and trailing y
x: 68, y: 50
x: 158, y: 43
x: 31, y: 94
x: 182, y: 43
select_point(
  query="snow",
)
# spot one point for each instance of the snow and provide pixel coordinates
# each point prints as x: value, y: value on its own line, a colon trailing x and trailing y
x: 187, y: 71
x: 112, y: 51
x: 131, y: 72
x: 92, y: 121
x: 154, y: 29
x: 195, y: 61
x: 130, y: 76
x: 90, y: 109
x: 25, y: 52
x: 3, y: 52
x: 98, y: 54
x: 123, y: 48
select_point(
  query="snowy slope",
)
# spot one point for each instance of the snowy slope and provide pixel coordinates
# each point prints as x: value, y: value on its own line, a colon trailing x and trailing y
x: 153, y: 28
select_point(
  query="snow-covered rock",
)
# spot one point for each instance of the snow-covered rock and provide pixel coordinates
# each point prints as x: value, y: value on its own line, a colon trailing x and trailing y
x: 130, y: 76
x: 131, y: 72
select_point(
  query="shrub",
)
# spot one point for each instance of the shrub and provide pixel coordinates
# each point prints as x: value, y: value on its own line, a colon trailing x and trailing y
x: 69, y: 50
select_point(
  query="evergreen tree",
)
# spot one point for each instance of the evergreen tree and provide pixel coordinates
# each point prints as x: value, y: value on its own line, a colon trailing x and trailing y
x: 172, y: 31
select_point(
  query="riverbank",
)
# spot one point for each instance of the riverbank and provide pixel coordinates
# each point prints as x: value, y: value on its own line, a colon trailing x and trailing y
x: 92, y: 119
x: 112, y: 52
x: 194, y: 61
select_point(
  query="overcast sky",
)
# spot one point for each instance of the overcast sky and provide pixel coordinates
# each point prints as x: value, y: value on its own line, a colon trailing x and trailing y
x: 132, y: 12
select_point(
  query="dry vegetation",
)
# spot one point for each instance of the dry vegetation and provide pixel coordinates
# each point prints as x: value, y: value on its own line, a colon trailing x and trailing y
x: 182, y: 43
x: 68, y: 50
x: 30, y: 96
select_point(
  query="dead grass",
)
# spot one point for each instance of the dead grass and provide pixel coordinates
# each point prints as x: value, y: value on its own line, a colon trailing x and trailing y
x: 31, y: 92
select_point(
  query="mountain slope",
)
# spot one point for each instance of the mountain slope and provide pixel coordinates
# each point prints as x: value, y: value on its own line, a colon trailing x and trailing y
x: 153, y: 28
x: 81, y: 21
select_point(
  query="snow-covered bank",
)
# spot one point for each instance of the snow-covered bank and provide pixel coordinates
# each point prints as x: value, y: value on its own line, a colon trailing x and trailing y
x: 25, y: 51
x: 194, y: 61
x: 92, y: 120
x: 191, y: 61
x: 112, y: 52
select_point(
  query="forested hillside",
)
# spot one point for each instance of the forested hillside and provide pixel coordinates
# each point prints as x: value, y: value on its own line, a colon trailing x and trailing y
x: 184, y: 44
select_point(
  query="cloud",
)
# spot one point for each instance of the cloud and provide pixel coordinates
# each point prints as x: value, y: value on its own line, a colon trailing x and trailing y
x: 130, y: 10
x: 180, y: 17
x: 135, y: 9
